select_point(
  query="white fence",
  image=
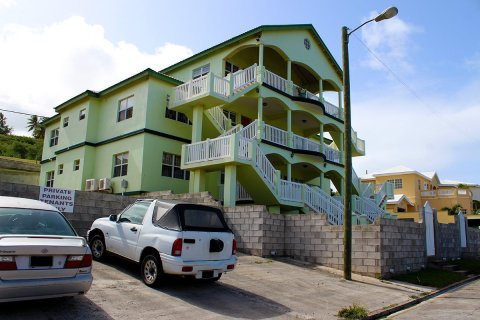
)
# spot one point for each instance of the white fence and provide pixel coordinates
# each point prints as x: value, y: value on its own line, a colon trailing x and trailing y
x: 291, y: 191
x: 208, y: 150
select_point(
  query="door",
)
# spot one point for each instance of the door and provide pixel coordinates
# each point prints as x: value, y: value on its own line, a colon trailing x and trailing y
x: 246, y: 121
x: 128, y: 229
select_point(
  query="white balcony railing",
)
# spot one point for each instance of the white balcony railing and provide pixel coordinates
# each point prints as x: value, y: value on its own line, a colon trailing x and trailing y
x: 303, y: 143
x: 243, y: 78
x: 320, y: 201
x: 211, y: 149
x: 275, y: 81
x: 291, y: 191
x: 332, y: 154
x: 219, y: 117
x: 250, y: 131
x: 265, y: 167
x: 332, y: 110
x: 275, y: 135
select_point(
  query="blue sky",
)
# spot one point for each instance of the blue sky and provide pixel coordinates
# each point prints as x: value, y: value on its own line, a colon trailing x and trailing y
x: 428, y: 120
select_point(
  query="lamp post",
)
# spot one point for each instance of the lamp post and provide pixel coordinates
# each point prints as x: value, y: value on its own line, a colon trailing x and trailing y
x: 347, y: 214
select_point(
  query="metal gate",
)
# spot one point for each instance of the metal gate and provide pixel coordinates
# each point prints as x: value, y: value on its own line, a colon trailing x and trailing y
x: 429, y: 229
x: 463, y: 234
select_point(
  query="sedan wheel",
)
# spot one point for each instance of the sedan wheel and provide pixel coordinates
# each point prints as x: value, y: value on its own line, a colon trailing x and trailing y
x: 151, y: 271
x: 97, y: 245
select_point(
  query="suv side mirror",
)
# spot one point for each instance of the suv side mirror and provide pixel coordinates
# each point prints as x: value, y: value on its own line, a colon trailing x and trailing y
x: 113, y: 217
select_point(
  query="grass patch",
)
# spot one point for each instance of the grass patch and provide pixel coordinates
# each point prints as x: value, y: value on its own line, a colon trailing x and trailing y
x: 431, y: 277
x: 470, y: 265
x: 353, y: 312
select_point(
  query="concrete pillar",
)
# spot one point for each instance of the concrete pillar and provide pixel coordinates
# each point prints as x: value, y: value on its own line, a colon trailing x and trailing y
x: 320, y: 89
x: 341, y: 146
x: 260, y: 55
x: 230, y: 186
x: 340, y: 102
x: 341, y: 187
x: 260, y: 118
x: 289, y: 171
x: 289, y: 70
x: 322, y: 180
x: 322, y: 147
x: 289, y: 129
x: 197, y: 123
x: 197, y: 181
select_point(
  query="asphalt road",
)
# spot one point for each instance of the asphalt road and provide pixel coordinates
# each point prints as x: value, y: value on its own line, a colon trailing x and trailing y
x: 258, y: 289
x: 460, y: 303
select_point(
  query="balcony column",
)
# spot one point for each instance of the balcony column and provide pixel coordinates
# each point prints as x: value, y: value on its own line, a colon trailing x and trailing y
x: 289, y: 129
x: 197, y: 181
x: 260, y: 55
x: 230, y: 186
x: 260, y: 118
x: 289, y: 70
x: 289, y: 171
x: 197, y: 123
x: 322, y: 144
x: 341, y: 147
x: 340, y: 102
x: 341, y: 187
x: 322, y: 181
x: 320, y: 90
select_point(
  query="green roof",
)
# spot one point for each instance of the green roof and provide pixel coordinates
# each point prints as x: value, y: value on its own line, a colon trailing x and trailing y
x: 144, y: 74
x: 253, y: 33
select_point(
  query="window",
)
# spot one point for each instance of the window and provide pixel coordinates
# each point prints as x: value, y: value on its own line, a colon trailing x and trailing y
x: 120, y: 164
x: 178, y: 116
x: 65, y: 122
x: 171, y: 167
x: 135, y: 213
x: 125, y: 109
x: 230, y: 68
x: 419, y: 185
x: 82, y: 114
x: 231, y: 115
x: 425, y: 185
x: 60, y: 169
x: 76, y: 165
x: 201, y: 71
x: 54, y: 137
x: 50, y: 179
x: 397, y: 183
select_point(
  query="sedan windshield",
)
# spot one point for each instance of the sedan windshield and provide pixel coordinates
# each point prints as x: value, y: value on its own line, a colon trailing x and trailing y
x: 29, y: 221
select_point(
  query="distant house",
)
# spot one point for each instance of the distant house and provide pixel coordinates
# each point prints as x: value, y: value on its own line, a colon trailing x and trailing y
x: 412, y: 189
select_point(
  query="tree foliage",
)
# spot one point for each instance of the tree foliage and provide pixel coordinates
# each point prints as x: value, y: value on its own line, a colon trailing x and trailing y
x: 21, y: 147
x: 4, y: 128
x: 454, y: 210
x: 35, y: 125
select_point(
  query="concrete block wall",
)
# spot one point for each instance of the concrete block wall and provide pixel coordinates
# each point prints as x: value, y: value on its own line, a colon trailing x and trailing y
x: 473, y: 244
x: 448, y: 242
x: 402, y: 246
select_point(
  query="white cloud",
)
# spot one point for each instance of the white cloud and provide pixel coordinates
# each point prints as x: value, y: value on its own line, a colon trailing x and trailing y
x: 7, y: 3
x: 401, y: 132
x: 42, y: 68
x: 389, y: 40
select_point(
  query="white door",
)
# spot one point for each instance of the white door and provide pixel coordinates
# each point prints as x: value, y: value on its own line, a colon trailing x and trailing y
x: 429, y: 230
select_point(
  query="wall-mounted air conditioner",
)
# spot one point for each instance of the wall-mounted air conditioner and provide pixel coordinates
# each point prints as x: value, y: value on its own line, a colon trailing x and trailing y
x: 91, y: 185
x: 104, y: 184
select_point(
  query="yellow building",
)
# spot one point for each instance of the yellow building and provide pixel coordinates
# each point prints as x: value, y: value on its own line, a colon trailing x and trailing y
x: 412, y: 189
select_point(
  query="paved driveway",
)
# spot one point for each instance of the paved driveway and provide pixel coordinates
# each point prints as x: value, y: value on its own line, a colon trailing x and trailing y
x: 258, y: 289
x: 460, y: 303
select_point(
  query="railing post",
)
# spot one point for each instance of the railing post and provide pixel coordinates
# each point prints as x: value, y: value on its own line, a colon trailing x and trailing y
x: 231, y: 83
x: 276, y: 182
x: 210, y: 83
x: 234, y: 141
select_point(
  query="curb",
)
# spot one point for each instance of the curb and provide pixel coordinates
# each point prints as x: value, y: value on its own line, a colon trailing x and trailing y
x: 409, y: 304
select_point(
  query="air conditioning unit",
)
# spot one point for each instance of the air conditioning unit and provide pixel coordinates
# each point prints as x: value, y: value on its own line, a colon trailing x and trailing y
x: 91, y: 185
x: 104, y: 184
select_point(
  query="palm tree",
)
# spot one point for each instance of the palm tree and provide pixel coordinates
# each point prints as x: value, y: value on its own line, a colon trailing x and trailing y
x: 4, y: 128
x: 34, y: 124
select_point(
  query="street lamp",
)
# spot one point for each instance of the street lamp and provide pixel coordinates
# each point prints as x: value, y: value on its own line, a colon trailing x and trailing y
x: 347, y: 139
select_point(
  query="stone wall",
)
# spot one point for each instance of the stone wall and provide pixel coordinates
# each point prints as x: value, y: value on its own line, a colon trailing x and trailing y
x: 378, y: 249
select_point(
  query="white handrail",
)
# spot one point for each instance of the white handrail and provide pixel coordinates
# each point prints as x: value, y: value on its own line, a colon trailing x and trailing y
x: 243, y: 78
x: 321, y: 202
x: 367, y: 207
x: 233, y: 130
x: 265, y: 167
x: 291, y: 191
x: 208, y: 150
x: 219, y: 117
x: 332, y: 110
x: 275, y: 135
x: 275, y: 81
x: 244, y: 149
x: 332, y: 154
x: 250, y: 130
x: 221, y: 86
x: 303, y: 143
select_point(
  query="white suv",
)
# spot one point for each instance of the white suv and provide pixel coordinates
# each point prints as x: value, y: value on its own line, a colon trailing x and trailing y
x: 167, y: 237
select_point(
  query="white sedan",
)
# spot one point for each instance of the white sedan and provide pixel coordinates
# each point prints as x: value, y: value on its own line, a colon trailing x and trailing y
x: 41, y: 255
x: 167, y: 237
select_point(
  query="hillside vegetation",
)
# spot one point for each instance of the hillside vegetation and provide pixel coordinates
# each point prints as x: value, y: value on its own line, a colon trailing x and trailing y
x: 20, y: 147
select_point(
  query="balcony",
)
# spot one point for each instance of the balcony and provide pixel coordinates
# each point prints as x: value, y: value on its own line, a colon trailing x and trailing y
x: 445, y: 193
x: 218, y: 90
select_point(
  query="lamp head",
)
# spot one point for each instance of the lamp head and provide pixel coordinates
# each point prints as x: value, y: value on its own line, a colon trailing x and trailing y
x: 387, y: 14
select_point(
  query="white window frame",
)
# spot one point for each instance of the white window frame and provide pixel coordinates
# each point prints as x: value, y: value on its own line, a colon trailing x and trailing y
x: 82, y: 114
x: 125, y: 108
x: 76, y: 164
x: 65, y: 122
x: 230, y: 68
x: 397, y: 183
x: 201, y: 71
x: 231, y: 115
x: 54, y: 134
x: 120, y: 161
x: 50, y: 175
x: 174, y: 165
x: 60, y: 169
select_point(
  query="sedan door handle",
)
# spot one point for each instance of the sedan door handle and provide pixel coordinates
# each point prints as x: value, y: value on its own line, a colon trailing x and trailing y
x: 134, y: 229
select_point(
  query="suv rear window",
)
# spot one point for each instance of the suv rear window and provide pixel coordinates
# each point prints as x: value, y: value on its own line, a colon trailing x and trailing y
x: 191, y: 217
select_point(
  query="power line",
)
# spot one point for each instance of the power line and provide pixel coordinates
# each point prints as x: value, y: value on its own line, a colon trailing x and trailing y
x: 26, y: 114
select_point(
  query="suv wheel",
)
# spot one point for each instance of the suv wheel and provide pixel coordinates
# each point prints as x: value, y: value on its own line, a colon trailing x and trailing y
x: 151, y: 270
x: 97, y: 245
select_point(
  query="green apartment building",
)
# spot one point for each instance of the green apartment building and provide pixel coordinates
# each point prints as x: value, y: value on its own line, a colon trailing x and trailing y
x: 245, y: 120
